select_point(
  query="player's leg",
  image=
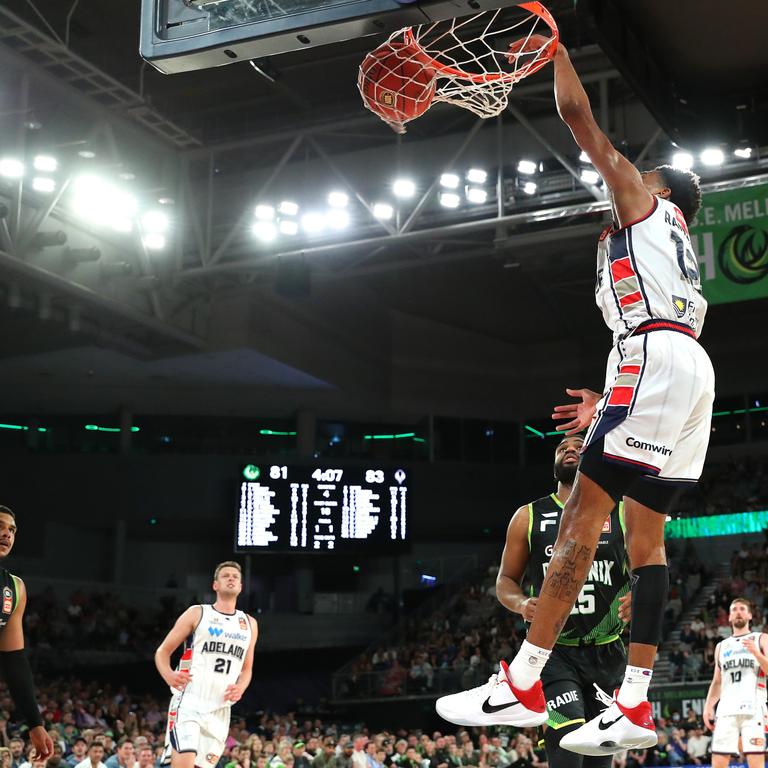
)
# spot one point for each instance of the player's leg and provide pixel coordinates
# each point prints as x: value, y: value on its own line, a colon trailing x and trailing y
x: 182, y: 736
x: 214, y: 728
x: 565, y: 706
x: 753, y: 741
x: 725, y: 740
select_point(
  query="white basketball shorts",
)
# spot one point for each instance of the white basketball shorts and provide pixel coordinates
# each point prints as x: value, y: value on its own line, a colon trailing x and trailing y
x: 656, y: 411
x: 728, y: 728
x: 193, y: 729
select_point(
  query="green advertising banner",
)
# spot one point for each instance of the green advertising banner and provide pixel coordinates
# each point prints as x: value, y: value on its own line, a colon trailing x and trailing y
x: 730, y: 237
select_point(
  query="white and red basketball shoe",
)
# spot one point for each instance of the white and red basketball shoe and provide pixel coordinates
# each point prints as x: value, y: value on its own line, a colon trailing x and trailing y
x: 616, y: 728
x: 497, y: 702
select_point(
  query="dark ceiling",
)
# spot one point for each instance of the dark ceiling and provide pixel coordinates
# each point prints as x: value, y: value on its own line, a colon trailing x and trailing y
x: 484, y: 324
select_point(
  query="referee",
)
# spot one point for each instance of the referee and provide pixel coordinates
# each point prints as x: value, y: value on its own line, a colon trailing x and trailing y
x: 14, y: 667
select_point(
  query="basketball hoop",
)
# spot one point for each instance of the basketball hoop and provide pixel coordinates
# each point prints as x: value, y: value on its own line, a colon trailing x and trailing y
x: 460, y: 61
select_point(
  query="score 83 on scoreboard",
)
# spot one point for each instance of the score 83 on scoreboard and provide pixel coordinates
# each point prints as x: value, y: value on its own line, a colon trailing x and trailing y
x: 285, y: 508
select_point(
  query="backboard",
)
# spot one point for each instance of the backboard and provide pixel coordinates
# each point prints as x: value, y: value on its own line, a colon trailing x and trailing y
x: 185, y: 35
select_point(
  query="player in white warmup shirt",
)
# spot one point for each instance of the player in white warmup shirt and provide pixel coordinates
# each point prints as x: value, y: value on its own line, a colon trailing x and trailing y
x: 213, y: 673
x: 648, y: 432
x: 738, y: 689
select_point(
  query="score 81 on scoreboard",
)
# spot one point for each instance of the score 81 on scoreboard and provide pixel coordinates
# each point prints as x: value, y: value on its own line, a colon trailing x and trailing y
x: 287, y: 508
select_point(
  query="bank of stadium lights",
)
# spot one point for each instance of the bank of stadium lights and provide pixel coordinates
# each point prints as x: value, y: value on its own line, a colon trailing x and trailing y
x: 530, y: 187
x: 449, y: 200
x: 264, y: 213
x: 288, y: 227
x: 404, y: 188
x: 682, y: 160
x: 266, y: 231
x: 337, y: 218
x: 383, y: 211
x: 584, y: 157
x: 45, y: 164
x: 99, y: 202
x: 477, y: 176
x: 288, y: 208
x: 338, y: 199
x: 11, y: 168
x: 743, y: 152
x: 43, y: 184
x: 712, y: 156
x: 588, y: 176
x: 154, y: 225
x: 313, y: 223
x: 449, y: 180
x: 477, y: 195
x: 528, y: 167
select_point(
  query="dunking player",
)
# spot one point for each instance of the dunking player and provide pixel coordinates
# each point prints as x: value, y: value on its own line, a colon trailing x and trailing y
x: 214, y: 671
x: 738, y: 684
x: 14, y: 666
x: 589, y: 649
x: 649, y: 430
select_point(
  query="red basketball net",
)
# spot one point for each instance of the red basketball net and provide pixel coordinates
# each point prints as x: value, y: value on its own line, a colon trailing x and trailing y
x: 469, y: 57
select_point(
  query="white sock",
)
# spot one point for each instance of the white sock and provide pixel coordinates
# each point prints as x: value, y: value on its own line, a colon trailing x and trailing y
x: 634, y: 689
x: 527, y: 665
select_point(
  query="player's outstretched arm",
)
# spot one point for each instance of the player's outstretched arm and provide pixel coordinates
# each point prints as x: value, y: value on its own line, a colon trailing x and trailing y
x: 514, y: 560
x: 713, y: 695
x: 185, y: 625
x: 235, y: 691
x: 14, y: 668
x: 631, y: 199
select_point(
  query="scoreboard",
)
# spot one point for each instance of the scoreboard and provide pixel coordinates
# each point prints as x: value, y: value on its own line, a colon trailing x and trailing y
x: 287, y: 508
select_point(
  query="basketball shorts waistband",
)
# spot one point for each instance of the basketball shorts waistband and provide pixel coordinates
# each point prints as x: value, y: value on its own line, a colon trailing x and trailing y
x: 648, y: 326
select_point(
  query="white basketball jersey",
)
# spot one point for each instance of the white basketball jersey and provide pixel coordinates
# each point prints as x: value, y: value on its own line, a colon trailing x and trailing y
x: 648, y: 270
x: 743, y: 682
x: 213, y: 655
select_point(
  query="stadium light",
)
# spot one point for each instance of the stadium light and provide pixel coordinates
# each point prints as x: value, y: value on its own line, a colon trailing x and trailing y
x: 288, y: 208
x: 584, y: 157
x: 712, y: 156
x: 288, y: 227
x: 682, y: 160
x: 476, y: 176
x: 449, y: 200
x: 153, y: 241
x: 45, y: 163
x: 527, y: 167
x: 11, y: 168
x: 86, y: 154
x: 383, y: 211
x: 338, y: 199
x: 264, y: 231
x: 101, y: 203
x: 743, y: 152
x: 476, y: 195
x: 313, y: 223
x: 404, y: 188
x: 43, y: 184
x: 337, y: 218
x: 530, y: 187
x: 449, y: 180
x: 588, y: 176
x: 154, y: 221
x: 264, y: 212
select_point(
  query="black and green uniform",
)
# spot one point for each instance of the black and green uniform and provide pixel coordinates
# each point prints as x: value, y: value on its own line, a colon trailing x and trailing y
x: 10, y: 598
x: 589, y: 649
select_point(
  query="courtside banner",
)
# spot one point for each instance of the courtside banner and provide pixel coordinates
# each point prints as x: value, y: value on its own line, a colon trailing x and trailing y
x: 730, y: 237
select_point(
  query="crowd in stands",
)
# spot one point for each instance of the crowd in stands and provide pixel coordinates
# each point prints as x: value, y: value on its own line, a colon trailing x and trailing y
x: 682, y: 741
x: 102, y: 727
x: 738, y: 485
x: 94, y: 621
x: 693, y: 656
x: 455, y: 647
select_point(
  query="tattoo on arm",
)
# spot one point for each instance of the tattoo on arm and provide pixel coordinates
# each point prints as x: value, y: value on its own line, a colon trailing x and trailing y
x: 567, y: 571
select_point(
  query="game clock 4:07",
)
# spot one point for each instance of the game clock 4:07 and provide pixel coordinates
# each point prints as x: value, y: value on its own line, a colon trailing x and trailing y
x: 294, y: 508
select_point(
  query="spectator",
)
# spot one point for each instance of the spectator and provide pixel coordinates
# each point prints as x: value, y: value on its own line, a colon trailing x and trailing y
x: 300, y: 759
x: 324, y: 756
x: 698, y: 746
x: 16, y: 745
x: 124, y: 756
x: 146, y: 757
x: 95, y: 756
x: 359, y: 758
